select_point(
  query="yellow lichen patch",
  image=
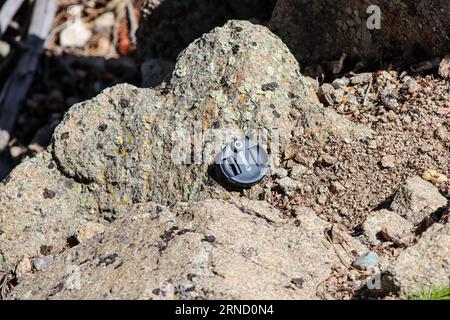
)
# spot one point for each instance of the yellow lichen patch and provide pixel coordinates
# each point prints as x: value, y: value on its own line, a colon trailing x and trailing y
x: 242, y: 99
x: 206, y: 124
x: 345, y: 99
x: 101, y: 179
x: 123, y: 152
x: 118, y: 140
x: 147, y: 183
x: 434, y: 177
x: 285, y: 80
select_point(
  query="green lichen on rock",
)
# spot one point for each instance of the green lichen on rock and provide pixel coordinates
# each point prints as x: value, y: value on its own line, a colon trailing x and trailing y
x: 91, y: 145
x: 116, y: 151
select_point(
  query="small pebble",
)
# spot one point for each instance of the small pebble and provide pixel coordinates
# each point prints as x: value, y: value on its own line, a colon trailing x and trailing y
x: 353, y: 101
x: 337, y: 187
x: 341, y: 83
x: 326, y: 88
x: 104, y: 22
x: 328, y: 160
x: 75, y: 34
x: 425, y: 148
x: 367, y: 261
x: 411, y: 86
x: 361, y: 78
x: 388, y: 100
x: 280, y: 173
x: 434, y: 177
x: 322, y: 199
x: 372, y: 144
x: 23, y: 267
x: 338, y: 96
x: 388, y: 161
x: 288, y: 185
x: 42, y: 262
x: 298, y: 171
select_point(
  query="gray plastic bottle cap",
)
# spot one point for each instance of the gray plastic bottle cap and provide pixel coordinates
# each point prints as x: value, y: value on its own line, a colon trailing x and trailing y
x: 243, y: 162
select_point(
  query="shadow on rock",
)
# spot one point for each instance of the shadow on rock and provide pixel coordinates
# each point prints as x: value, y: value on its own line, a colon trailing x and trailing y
x: 168, y: 26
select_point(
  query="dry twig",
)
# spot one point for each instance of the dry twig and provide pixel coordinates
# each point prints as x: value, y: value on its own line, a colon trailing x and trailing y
x: 366, y: 97
x: 133, y: 21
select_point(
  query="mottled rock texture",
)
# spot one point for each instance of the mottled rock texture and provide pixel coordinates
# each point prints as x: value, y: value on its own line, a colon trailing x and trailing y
x: 125, y: 208
x: 39, y: 210
x: 318, y: 30
x: 121, y: 149
x: 424, y: 265
x: 235, y: 249
x: 382, y: 220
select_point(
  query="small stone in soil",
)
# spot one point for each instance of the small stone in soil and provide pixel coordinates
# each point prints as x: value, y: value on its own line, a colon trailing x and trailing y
x: 328, y: 160
x: 361, y: 78
x: 42, y: 262
x: 298, y: 171
x: 341, y: 83
x: 388, y: 161
x: 367, y: 261
x: 322, y: 199
x: 280, y: 173
x: 287, y: 185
